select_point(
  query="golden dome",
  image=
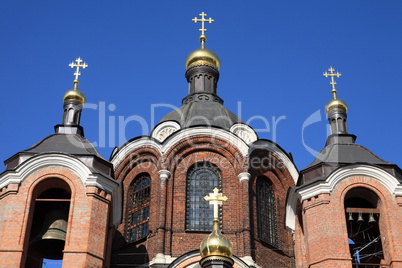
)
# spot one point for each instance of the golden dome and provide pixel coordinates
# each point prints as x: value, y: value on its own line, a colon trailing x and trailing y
x: 74, y: 94
x: 201, y: 57
x: 336, y: 104
x: 216, y: 244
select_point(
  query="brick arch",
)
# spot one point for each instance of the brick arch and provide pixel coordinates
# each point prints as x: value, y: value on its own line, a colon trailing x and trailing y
x: 387, y: 204
x: 40, y: 181
x: 203, y: 143
x: 136, y: 157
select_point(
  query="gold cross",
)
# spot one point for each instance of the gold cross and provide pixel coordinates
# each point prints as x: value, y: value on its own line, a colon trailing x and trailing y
x: 203, y: 38
x: 215, y: 199
x: 332, y: 74
x: 210, y: 20
x: 78, y: 65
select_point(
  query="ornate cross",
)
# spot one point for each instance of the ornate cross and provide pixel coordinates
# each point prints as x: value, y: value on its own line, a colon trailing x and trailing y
x: 78, y: 65
x: 210, y: 20
x: 215, y: 199
x: 332, y: 74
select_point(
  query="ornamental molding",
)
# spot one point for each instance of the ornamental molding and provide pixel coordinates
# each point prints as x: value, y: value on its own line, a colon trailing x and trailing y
x: 244, y: 132
x: 221, y: 134
x: 177, y: 138
x: 35, y: 163
x: 298, y: 195
x: 328, y: 186
x: 164, y: 130
x: 273, y: 148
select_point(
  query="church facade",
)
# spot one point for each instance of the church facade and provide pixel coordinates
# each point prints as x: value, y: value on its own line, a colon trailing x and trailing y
x: 145, y: 207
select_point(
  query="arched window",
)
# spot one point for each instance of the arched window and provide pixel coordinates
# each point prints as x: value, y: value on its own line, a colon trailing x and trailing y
x: 266, y: 212
x: 202, y: 178
x: 362, y: 218
x: 138, y: 208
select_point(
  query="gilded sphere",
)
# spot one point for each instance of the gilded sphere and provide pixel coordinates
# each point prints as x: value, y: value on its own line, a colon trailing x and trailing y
x: 216, y: 244
x: 74, y: 94
x: 203, y: 56
x: 336, y: 104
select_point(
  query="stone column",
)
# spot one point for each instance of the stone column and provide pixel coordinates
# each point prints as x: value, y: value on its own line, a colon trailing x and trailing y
x: 164, y: 175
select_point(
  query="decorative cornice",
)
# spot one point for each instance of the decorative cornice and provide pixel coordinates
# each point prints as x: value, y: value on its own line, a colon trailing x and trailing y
x: 164, y: 174
x: 327, y: 186
x: 245, y: 176
x: 71, y: 163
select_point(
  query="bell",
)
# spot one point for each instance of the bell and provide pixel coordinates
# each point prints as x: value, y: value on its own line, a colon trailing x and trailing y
x: 360, y: 217
x: 371, y: 218
x: 350, y: 217
x: 49, y: 243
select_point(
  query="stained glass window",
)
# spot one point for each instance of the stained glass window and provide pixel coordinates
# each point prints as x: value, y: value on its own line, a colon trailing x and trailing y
x: 202, y: 178
x: 266, y: 212
x: 138, y: 208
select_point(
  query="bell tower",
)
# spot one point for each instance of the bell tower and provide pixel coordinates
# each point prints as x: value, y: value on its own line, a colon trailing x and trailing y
x: 58, y: 198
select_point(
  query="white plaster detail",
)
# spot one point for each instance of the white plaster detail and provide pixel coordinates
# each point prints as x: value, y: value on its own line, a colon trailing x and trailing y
x: 272, y: 147
x: 164, y: 174
x: 245, y: 176
x: 212, y: 132
x: 244, y: 132
x: 328, y: 186
x: 249, y: 261
x: 292, y: 201
x: 164, y: 130
x: 38, y: 162
x: 161, y: 258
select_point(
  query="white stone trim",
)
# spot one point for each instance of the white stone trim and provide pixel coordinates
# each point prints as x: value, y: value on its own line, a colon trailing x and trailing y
x: 164, y: 174
x: 272, y: 147
x: 244, y: 176
x: 328, y: 186
x: 249, y: 261
x: 245, y: 132
x: 214, y: 132
x: 71, y: 163
x: 164, y: 130
x: 291, y: 209
x: 131, y: 146
x: 176, y: 138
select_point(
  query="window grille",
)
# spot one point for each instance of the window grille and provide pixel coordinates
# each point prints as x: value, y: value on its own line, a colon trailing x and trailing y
x: 138, y: 208
x: 202, y: 178
x: 266, y: 212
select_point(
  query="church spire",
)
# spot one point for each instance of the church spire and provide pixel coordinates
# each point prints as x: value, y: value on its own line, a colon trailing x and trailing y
x: 336, y: 109
x: 73, y: 100
x: 202, y: 65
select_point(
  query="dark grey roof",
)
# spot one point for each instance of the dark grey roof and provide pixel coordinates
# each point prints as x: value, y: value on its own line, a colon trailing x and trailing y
x: 347, y: 154
x: 70, y: 144
x: 342, y: 151
x: 207, y: 113
x: 74, y: 144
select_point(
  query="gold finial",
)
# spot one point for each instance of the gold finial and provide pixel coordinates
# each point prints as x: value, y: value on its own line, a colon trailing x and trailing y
x: 332, y: 74
x: 77, y: 71
x: 203, y: 38
x: 215, y: 199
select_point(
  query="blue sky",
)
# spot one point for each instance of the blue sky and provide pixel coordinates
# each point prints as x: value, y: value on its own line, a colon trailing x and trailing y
x: 273, y: 54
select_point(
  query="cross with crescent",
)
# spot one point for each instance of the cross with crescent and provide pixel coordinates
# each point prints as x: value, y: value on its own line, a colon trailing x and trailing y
x: 332, y: 74
x: 78, y: 65
x: 203, y: 20
x: 215, y: 199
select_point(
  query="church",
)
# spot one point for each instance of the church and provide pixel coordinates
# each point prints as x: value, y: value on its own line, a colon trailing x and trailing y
x: 201, y: 190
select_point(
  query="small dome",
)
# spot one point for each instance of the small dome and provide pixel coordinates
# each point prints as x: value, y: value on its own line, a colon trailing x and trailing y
x: 336, y: 104
x: 74, y: 94
x: 201, y: 57
x: 216, y: 244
